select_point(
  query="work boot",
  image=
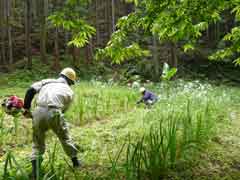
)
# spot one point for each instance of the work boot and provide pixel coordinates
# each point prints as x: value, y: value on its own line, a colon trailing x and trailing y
x: 36, y: 165
x: 34, y: 170
x: 76, y: 162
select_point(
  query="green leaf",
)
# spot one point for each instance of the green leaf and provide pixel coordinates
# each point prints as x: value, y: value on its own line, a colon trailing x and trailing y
x: 237, y: 61
x: 168, y: 72
x: 188, y: 47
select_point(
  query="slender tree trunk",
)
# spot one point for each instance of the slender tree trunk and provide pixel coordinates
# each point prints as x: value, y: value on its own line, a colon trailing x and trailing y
x: 91, y: 47
x: 155, y: 57
x: 97, y: 23
x: 28, y: 24
x: 2, y: 26
x: 43, y: 27
x: 87, y: 49
x: 218, y: 32
x: 67, y: 38
x: 35, y: 8
x: 113, y: 16
x: 9, y: 31
x: 87, y: 54
x: 76, y: 55
x: 174, y: 58
x: 108, y: 19
x: 56, y: 64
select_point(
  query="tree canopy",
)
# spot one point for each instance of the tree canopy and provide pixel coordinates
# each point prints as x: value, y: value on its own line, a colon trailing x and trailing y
x: 182, y: 21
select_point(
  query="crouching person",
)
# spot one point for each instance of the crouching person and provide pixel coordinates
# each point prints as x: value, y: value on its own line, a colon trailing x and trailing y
x: 148, y: 97
x: 55, y: 96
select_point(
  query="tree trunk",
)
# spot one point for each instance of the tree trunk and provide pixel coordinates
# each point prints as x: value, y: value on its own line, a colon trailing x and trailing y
x: 108, y: 18
x: 9, y: 31
x: 35, y: 8
x: 43, y: 27
x: 28, y: 24
x: 91, y: 47
x: 155, y: 58
x: 87, y: 54
x: 97, y: 24
x: 2, y: 26
x: 76, y: 54
x: 113, y: 16
x: 56, y: 64
x: 67, y: 38
x: 174, y: 59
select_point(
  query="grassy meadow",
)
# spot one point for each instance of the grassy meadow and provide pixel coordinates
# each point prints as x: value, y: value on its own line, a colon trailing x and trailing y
x: 186, y: 135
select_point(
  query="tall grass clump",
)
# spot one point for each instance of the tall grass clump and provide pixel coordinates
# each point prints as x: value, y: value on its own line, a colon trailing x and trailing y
x: 2, y: 129
x: 2, y: 115
x: 170, y: 137
x: 12, y: 168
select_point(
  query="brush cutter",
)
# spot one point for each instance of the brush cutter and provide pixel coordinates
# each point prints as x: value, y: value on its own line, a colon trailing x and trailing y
x: 12, y: 105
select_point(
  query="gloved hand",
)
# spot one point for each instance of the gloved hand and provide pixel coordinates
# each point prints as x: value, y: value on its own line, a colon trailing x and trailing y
x: 27, y: 113
x: 138, y: 102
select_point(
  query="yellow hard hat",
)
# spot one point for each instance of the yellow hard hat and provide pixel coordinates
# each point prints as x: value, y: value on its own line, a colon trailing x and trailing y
x: 69, y: 73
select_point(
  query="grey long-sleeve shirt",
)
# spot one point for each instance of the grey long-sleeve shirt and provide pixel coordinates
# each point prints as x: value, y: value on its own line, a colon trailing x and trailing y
x: 54, y: 92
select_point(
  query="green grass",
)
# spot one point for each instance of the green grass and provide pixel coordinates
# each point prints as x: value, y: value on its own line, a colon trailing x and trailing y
x: 97, y: 100
x: 118, y: 140
x: 171, y: 138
